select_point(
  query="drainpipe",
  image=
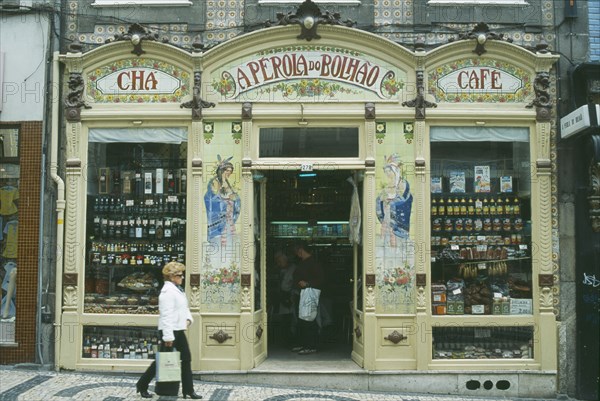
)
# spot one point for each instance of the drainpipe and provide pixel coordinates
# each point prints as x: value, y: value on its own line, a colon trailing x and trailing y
x: 60, y: 207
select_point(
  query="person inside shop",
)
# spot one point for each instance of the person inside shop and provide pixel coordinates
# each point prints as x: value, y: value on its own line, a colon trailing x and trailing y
x: 308, y: 273
x: 287, y: 293
x: 174, y: 318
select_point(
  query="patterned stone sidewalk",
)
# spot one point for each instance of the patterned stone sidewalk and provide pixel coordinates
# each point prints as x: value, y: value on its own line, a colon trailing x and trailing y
x: 39, y: 385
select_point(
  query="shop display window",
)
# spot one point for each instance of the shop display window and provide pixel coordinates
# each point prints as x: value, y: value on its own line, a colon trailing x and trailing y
x: 480, y: 221
x: 136, y: 221
x: 125, y: 342
x: 9, y: 221
x: 483, y: 342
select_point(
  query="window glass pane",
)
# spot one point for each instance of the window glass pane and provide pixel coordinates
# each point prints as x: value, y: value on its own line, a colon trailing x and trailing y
x: 480, y: 2
x: 9, y: 233
x: 9, y: 142
x: 142, y: 2
x: 136, y: 223
x: 480, y: 222
x: 308, y: 142
x: 123, y: 342
x: 483, y: 342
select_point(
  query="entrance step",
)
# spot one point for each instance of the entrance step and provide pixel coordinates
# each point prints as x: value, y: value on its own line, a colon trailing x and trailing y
x: 346, y: 375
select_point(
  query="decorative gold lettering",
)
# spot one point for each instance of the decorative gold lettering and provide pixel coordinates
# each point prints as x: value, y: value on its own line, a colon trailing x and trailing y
x: 361, y: 74
x: 263, y: 69
x: 254, y: 68
x: 241, y: 75
x: 151, y: 82
x: 276, y: 63
x: 325, y: 61
x: 122, y: 85
x: 372, y: 76
x: 495, y: 80
x: 301, y: 63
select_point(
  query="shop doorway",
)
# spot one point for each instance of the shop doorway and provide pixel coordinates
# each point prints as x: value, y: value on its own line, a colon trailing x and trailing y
x: 313, y: 208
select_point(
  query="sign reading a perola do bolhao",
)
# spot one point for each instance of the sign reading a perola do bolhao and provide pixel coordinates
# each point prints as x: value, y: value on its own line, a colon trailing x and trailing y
x: 479, y: 80
x: 308, y: 71
x: 137, y: 81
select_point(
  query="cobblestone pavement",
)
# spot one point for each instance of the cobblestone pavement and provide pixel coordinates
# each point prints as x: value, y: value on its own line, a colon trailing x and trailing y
x: 42, y: 385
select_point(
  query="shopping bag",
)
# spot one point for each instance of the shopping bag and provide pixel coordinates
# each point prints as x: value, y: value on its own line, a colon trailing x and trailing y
x: 167, y: 388
x: 309, y: 304
x: 168, y: 368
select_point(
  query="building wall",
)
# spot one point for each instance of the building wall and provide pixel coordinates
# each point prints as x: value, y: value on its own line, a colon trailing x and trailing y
x: 28, y: 245
x: 594, y: 23
x: 24, y: 72
x: 26, y: 40
x: 401, y: 21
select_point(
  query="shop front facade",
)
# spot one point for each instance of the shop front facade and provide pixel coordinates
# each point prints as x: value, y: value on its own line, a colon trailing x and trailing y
x: 421, y: 180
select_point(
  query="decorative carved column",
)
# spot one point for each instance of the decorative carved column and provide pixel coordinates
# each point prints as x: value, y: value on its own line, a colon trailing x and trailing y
x: 369, y: 217
x: 541, y: 198
x: 369, y: 332
x: 74, y: 244
x: 247, y: 265
x: 594, y: 197
x: 195, y: 226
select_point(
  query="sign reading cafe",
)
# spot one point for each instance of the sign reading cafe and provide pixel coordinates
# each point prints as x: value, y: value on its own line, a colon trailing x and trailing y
x: 311, y: 67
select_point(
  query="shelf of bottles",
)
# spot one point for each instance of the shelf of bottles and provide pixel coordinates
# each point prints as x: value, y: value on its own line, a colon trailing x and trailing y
x: 101, y: 342
x: 305, y: 230
x: 136, y: 224
x: 483, y: 342
x: 480, y: 255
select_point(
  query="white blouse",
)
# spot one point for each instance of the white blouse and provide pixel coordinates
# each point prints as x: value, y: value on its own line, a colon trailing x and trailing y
x: 174, y: 311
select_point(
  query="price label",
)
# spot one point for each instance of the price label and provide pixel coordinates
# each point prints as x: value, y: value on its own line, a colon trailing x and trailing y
x: 455, y: 247
x: 129, y: 202
x: 481, y: 238
x: 149, y: 202
x: 481, y: 266
x: 523, y: 247
x: 457, y: 291
x: 172, y: 198
x: 306, y: 167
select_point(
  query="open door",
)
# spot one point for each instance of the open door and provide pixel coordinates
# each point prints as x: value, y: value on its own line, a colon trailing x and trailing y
x: 260, y: 304
x: 356, y: 306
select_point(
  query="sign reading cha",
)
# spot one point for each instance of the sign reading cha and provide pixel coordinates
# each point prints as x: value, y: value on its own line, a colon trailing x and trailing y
x: 307, y: 65
x: 479, y: 80
x: 138, y: 80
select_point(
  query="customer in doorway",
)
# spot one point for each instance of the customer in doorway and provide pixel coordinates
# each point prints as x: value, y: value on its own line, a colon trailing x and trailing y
x: 174, y: 318
x: 309, y: 273
x: 287, y: 295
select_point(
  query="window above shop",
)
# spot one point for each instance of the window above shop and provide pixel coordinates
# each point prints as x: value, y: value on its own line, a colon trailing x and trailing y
x: 123, y: 3
x: 314, y: 1
x: 9, y: 145
x: 308, y: 142
x: 479, y: 2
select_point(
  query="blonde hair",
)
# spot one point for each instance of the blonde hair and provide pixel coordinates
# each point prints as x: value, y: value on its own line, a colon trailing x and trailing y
x: 171, y: 269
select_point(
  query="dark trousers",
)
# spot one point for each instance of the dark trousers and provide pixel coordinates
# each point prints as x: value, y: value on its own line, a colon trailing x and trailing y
x: 187, y: 383
x: 308, y: 333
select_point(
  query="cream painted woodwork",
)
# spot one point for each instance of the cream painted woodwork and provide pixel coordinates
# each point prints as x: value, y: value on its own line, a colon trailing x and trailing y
x: 371, y: 346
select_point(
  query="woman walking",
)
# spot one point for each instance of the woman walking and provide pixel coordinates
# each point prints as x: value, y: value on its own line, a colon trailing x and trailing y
x: 174, y: 319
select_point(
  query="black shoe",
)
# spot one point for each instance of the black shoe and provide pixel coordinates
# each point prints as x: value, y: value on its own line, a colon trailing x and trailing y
x: 193, y: 396
x: 144, y: 393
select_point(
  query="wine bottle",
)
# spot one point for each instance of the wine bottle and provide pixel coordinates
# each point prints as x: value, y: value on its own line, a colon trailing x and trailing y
x: 87, y: 347
x: 94, y: 348
x: 183, y: 181
x: 170, y: 182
